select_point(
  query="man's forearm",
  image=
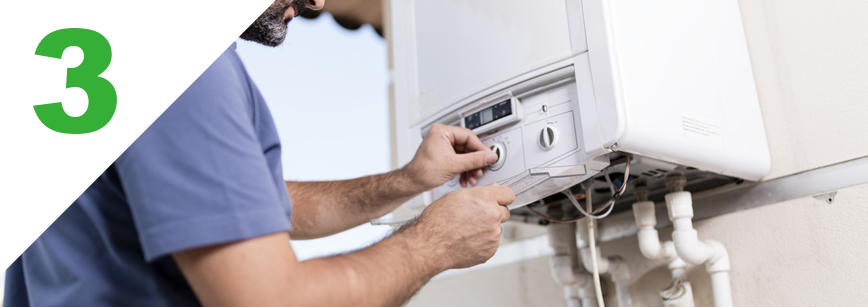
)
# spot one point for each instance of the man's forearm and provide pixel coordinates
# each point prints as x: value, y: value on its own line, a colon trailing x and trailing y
x: 322, y: 208
x: 264, y: 272
x: 386, y: 274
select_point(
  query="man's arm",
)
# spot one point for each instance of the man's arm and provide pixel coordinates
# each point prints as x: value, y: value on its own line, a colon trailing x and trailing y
x: 459, y: 230
x: 322, y: 208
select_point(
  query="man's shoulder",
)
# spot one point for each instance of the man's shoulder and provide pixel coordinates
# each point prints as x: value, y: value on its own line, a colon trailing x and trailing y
x: 225, y: 80
x: 227, y: 68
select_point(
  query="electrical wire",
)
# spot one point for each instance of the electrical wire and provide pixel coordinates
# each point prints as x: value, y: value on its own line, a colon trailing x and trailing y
x: 609, y: 182
x: 592, y: 240
x: 541, y: 202
x: 610, y: 205
x: 575, y: 203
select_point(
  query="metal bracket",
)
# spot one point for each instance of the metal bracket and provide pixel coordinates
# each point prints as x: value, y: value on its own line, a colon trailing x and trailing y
x: 817, y: 183
x: 829, y: 198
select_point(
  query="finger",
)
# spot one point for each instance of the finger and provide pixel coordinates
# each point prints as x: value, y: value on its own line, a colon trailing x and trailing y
x: 471, y: 179
x: 477, y: 173
x: 474, y: 160
x: 466, y: 138
x: 504, y: 214
x: 463, y: 180
x: 505, y: 195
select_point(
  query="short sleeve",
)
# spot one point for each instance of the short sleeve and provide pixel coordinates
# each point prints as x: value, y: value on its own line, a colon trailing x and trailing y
x: 197, y: 176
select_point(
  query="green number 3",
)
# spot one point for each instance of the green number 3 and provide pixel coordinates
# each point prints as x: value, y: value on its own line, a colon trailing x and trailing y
x: 101, y: 95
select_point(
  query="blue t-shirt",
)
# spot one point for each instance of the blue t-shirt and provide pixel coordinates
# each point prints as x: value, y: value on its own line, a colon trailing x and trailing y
x: 206, y: 172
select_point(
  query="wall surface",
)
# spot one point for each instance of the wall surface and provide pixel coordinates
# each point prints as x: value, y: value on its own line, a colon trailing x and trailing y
x: 810, y: 62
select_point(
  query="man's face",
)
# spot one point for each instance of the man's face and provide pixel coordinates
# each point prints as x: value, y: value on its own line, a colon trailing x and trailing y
x: 270, y: 28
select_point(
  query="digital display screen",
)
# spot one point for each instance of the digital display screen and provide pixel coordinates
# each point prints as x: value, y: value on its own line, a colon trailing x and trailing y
x: 487, y: 115
x: 500, y: 110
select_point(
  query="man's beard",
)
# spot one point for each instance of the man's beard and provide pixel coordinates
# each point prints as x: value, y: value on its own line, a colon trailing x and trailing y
x: 270, y: 28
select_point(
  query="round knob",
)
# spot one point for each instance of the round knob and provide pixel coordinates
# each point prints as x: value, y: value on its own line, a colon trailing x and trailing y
x: 548, y: 137
x: 501, y: 154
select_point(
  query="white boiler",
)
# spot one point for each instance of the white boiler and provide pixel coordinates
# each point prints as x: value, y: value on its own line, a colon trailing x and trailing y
x: 563, y: 89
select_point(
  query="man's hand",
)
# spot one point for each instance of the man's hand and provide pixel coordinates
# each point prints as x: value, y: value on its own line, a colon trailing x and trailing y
x: 459, y: 230
x: 462, y: 229
x: 446, y: 152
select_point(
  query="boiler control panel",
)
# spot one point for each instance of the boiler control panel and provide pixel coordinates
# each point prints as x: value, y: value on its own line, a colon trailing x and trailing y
x: 540, y: 131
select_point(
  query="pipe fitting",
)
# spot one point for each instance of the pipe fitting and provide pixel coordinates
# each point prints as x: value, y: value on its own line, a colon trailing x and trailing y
x: 649, y: 244
x: 719, y: 262
x: 678, y: 294
x: 564, y: 263
x: 640, y: 190
x: 678, y: 268
x: 602, y: 263
x: 644, y: 214
x: 675, y: 183
x: 649, y: 239
x: 689, y: 248
x: 679, y: 205
x: 692, y: 251
x: 562, y: 270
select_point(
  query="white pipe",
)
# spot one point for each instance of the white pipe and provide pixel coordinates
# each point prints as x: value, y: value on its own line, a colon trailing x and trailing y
x: 615, y: 266
x: 678, y: 268
x: 602, y: 263
x: 687, y: 244
x: 649, y: 240
x: 561, y: 270
x: 586, y: 292
x: 651, y: 247
x: 564, y: 263
x: 721, y: 290
x: 719, y: 268
x: 622, y: 290
x: 621, y: 277
x: 691, y: 250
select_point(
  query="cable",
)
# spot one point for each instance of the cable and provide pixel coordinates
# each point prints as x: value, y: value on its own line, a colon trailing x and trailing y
x: 592, y: 240
x: 541, y: 202
x: 585, y: 213
x: 609, y: 182
x: 610, y: 205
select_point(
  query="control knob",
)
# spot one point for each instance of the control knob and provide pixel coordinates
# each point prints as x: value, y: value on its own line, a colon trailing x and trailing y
x: 501, y: 156
x: 548, y: 137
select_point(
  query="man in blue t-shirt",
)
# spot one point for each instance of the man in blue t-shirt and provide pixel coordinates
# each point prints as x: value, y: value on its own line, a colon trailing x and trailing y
x: 196, y: 212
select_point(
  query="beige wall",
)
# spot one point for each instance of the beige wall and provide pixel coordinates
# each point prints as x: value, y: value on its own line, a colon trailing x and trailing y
x: 810, y: 61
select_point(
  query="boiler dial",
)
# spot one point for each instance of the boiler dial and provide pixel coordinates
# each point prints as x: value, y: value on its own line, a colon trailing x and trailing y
x: 501, y: 156
x: 548, y: 137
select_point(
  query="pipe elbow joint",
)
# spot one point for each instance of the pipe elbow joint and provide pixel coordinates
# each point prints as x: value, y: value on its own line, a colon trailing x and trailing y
x: 562, y: 270
x: 688, y: 247
x: 719, y: 261
x: 649, y: 243
x: 602, y: 263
